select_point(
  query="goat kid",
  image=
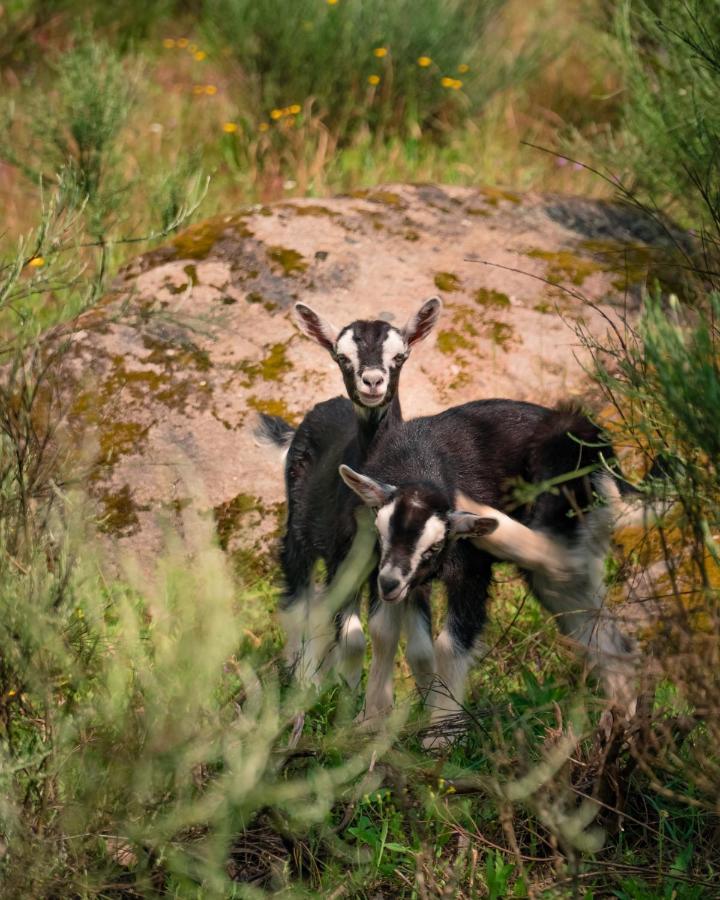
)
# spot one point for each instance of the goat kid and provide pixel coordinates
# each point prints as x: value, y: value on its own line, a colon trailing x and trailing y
x: 321, y: 520
x: 561, y: 543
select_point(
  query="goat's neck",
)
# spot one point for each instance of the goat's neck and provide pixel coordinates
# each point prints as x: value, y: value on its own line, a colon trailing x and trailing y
x: 370, y: 420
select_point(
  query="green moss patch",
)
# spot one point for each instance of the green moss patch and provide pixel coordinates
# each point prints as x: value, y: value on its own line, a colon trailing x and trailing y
x: 197, y: 241
x: 501, y: 334
x: 271, y: 368
x: 447, y: 282
x: 229, y: 515
x: 566, y: 266
x: 272, y: 408
x: 486, y: 297
x: 119, y: 515
x: 312, y: 209
x: 388, y: 198
x: 493, y: 196
x: 451, y: 341
x: 289, y: 261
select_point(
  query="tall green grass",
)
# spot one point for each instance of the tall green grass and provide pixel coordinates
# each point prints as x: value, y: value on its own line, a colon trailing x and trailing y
x: 390, y: 68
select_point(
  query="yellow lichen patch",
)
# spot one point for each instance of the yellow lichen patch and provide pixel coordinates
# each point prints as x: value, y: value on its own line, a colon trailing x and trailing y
x: 487, y: 297
x: 272, y: 408
x: 451, y: 341
x: 197, y: 241
x: 290, y: 261
x: 637, y: 264
x: 494, y: 195
x: 387, y: 197
x: 447, y: 281
x: 543, y: 308
x: 464, y: 317
x: 563, y: 265
x: 311, y: 209
x: 117, y: 439
x: 257, y: 297
x: 501, y: 334
x: 272, y: 367
x: 119, y: 512
x: 229, y: 516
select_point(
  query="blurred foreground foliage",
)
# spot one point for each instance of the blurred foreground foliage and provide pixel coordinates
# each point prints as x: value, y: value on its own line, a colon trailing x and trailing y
x: 147, y: 746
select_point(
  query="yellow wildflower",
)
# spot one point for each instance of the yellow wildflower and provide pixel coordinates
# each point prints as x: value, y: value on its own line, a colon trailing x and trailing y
x: 200, y: 55
x: 463, y: 68
x: 37, y: 262
x: 210, y: 89
x: 263, y: 126
x: 373, y: 79
x: 198, y: 89
x: 447, y: 82
x: 331, y: 2
x: 230, y: 127
x: 168, y: 43
x: 11, y: 692
x: 456, y: 85
x: 424, y: 61
x: 276, y: 114
x: 294, y: 109
x: 380, y: 52
x: 182, y: 43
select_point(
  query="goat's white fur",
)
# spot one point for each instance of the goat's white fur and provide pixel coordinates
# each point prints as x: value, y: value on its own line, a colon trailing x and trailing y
x: 568, y: 578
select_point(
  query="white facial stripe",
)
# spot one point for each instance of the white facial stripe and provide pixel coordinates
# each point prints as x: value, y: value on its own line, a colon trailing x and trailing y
x: 382, y: 521
x: 392, y: 345
x: 433, y: 532
x: 347, y: 346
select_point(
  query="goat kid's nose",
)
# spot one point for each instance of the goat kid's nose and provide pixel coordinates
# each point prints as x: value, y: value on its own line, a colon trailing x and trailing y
x: 388, y: 585
x: 373, y: 378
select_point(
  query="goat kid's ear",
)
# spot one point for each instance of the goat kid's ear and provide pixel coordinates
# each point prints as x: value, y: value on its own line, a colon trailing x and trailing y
x: 310, y: 323
x: 468, y: 525
x: 423, y: 322
x: 372, y: 493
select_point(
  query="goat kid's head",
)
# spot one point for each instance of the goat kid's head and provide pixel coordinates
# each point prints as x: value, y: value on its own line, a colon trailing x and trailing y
x: 416, y: 525
x: 370, y: 353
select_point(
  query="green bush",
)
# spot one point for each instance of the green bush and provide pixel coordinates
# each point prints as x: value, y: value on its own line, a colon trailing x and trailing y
x: 671, y: 59
x: 434, y: 61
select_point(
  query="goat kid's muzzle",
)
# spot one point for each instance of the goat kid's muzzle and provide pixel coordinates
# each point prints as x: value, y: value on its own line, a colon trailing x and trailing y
x: 372, y: 387
x: 392, y: 590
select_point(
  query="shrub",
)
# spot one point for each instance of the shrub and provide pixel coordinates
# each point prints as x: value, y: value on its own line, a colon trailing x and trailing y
x: 671, y: 59
x: 387, y: 67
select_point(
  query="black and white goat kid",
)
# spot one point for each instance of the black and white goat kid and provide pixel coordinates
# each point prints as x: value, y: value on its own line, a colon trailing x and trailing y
x: 439, y: 478
x: 321, y: 522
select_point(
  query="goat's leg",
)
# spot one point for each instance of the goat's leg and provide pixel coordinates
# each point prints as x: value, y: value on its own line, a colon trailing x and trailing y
x: 418, y: 629
x: 350, y: 644
x: 385, y: 624
x: 297, y: 609
x: 580, y: 610
x: 458, y: 642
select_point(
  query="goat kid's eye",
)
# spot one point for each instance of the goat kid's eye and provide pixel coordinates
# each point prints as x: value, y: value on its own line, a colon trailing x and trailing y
x: 431, y: 551
x: 399, y: 359
x: 342, y: 359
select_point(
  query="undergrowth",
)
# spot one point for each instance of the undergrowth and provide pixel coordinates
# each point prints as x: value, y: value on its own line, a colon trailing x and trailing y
x: 150, y: 742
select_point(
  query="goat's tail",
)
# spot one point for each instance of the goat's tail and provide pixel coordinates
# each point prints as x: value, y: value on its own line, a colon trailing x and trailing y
x: 274, y: 431
x: 568, y: 442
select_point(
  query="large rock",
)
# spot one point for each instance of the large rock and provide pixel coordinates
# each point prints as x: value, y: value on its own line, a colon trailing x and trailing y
x: 195, y: 338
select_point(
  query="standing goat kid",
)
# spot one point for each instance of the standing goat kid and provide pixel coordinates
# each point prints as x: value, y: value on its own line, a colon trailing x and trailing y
x: 321, y: 510
x: 414, y: 478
